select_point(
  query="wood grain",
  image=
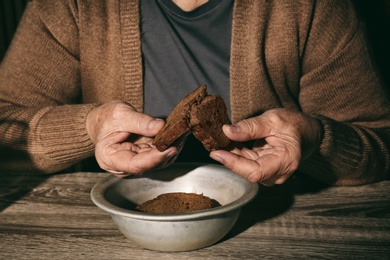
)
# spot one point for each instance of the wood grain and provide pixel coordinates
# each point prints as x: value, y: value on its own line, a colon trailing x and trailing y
x: 46, y: 217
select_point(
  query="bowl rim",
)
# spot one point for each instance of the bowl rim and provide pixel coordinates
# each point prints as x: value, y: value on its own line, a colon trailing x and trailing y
x: 98, y: 191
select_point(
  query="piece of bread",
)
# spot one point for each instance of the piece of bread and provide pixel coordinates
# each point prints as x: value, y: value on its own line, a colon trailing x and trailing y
x: 176, y: 202
x: 206, y: 123
x: 177, y: 123
x: 202, y: 114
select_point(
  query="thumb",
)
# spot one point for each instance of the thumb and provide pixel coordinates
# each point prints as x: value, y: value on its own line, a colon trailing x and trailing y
x: 247, y: 129
x: 142, y: 124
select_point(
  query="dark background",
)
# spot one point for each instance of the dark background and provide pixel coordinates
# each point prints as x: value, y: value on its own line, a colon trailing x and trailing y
x: 10, y: 13
x: 376, y: 13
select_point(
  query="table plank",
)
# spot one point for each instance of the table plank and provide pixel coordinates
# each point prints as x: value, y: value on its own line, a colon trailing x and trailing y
x: 54, y: 217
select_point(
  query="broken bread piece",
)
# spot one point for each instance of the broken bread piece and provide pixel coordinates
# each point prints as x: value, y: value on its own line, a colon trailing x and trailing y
x: 199, y: 113
x: 206, y: 123
x: 177, y: 123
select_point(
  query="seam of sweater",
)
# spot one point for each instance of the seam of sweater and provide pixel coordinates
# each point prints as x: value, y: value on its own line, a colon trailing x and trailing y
x: 131, y: 53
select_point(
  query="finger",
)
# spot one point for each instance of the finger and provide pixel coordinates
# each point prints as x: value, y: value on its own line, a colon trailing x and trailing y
x: 254, y: 170
x: 116, y: 155
x: 142, y: 124
x: 127, y: 162
x: 248, y: 129
x: 168, y: 161
x: 247, y: 168
x: 143, y: 162
x: 120, y: 117
x: 117, y: 173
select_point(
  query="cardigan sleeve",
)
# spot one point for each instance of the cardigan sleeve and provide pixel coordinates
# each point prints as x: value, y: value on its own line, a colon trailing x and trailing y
x: 42, y: 123
x: 341, y: 86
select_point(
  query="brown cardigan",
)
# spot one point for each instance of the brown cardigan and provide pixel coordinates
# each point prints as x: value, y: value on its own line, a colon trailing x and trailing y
x: 311, y: 56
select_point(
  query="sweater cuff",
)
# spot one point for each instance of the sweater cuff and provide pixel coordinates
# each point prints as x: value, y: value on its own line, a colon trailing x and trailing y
x: 60, y: 138
x: 338, y: 157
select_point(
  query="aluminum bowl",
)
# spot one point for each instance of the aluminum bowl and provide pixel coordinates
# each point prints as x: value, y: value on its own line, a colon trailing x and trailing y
x: 175, y: 232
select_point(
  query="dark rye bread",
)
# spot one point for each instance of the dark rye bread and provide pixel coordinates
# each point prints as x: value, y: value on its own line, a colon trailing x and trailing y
x: 177, y: 123
x: 206, y: 123
x: 176, y: 202
x: 202, y: 114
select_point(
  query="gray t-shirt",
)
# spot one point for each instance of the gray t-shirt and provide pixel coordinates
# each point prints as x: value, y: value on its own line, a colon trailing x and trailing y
x: 183, y: 50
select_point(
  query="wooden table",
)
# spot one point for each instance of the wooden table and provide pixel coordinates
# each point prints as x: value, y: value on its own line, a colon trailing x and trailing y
x: 53, y: 217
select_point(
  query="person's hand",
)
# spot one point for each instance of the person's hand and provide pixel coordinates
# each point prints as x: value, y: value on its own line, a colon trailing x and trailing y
x: 123, y: 139
x: 283, y: 139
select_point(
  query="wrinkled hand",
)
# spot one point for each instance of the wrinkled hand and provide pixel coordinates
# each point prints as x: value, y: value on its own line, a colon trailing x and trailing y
x: 123, y: 139
x: 283, y: 139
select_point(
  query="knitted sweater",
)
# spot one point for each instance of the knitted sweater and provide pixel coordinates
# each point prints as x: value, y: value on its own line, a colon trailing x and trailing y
x: 70, y: 55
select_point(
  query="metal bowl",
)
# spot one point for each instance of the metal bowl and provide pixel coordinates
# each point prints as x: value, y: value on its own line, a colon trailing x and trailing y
x: 175, y: 232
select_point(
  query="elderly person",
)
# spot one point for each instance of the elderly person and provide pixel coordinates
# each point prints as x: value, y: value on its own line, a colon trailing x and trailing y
x: 94, y: 78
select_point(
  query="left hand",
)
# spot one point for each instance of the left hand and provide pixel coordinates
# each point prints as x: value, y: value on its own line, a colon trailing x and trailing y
x: 123, y: 139
x: 283, y: 139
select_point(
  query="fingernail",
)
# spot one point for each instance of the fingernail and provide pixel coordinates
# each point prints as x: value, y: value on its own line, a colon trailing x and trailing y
x: 154, y: 122
x: 216, y: 157
x: 171, y: 153
x: 234, y: 129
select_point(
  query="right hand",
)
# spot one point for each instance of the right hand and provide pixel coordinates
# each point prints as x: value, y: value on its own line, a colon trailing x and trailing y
x: 123, y: 139
x: 283, y: 139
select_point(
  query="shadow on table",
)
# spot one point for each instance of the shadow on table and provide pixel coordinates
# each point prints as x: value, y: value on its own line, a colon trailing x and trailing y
x: 16, y: 185
x: 273, y: 201
x: 13, y: 186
